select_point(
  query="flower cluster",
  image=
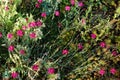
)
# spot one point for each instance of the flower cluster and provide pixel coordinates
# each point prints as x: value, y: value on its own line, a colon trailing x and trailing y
x: 112, y: 71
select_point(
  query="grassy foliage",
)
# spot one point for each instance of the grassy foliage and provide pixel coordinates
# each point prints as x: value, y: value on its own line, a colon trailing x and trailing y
x: 59, y: 39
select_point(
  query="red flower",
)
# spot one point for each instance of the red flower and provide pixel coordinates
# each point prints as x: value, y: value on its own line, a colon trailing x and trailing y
x: 38, y: 23
x: 51, y: 70
x: 72, y: 2
x: 40, y: 1
x: 6, y: 8
x: 20, y: 33
x: 57, y: 13
x: 80, y: 47
x: 10, y: 35
x: 14, y: 74
x: 37, y: 5
x: 32, y: 24
x: 24, y: 27
x: 32, y: 35
x: 35, y: 67
x: 93, y: 36
x: 102, y: 72
x: 113, y: 71
x: 22, y: 51
x: 65, y: 51
x: 80, y: 4
x: 102, y: 44
x: 67, y: 8
x: 114, y: 53
x: 11, y: 48
x: 43, y: 14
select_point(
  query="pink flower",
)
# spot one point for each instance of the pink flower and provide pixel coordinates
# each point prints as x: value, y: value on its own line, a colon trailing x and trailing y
x: 80, y: 4
x: 113, y: 71
x: 72, y: 2
x: 67, y: 8
x: 9, y: 36
x: 38, y: 23
x: 32, y: 24
x: 37, y: 5
x: 6, y: 8
x: 14, y: 74
x: 80, y: 47
x: 11, y: 48
x: 57, y: 13
x: 83, y: 21
x: 35, y: 67
x: 0, y: 34
x: 40, y: 1
x: 22, y: 51
x: 102, y: 72
x: 51, y: 70
x: 43, y: 14
x: 65, y: 51
x: 114, y: 53
x: 102, y: 44
x: 20, y: 33
x: 93, y: 36
x: 32, y: 35
x: 24, y: 27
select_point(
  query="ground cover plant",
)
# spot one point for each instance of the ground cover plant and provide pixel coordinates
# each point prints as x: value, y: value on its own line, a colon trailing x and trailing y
x: 59, y: 39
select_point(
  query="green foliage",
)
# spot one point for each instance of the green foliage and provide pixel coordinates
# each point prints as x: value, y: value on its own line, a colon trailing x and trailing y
x: 69, y: 44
